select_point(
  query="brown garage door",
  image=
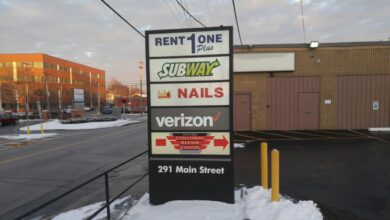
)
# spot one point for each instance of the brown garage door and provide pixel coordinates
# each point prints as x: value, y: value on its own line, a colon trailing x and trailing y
x: 362, y: 101
x: 283, y: 100
x: 242, y: 111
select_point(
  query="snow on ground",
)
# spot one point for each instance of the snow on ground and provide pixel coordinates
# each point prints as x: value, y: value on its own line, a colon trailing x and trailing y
x: 57, y: 125
x: 81, y: 213
x: 379, y: 129
x: 239, y: 145
x: 255, y: 205
x: 28, y: 137
x: 87, y: 211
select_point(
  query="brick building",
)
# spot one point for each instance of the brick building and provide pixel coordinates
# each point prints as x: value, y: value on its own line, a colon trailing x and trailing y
x: 40, y: 78
x: 295, y: 87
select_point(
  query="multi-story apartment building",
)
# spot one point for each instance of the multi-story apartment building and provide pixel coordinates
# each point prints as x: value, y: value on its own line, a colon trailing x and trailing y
x: 47, y: 82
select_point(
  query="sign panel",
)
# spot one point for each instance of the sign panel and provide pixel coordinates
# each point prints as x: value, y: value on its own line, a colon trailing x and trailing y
x: 78, y: 95
x: 189, y: 43
x: 264, y: 62
x: 177, y: 179
x: 189, y: 69
x: 184, y: 119
x: 375, y: 105
x: 190, y: 131
x: 191, y: 143
x: 189, y: 94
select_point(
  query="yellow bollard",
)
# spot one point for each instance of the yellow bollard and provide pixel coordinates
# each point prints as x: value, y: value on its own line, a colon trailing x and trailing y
x: 42, y: 129
x: 264, y: 165
x: 28, y: 130
x: 275, y: 175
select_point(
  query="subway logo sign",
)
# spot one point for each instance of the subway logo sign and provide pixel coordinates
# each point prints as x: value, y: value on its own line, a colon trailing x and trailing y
x: 189, y: 69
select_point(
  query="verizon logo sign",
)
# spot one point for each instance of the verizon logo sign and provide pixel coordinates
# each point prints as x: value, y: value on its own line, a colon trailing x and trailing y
x: 185, y: 94
x: 188, y: 121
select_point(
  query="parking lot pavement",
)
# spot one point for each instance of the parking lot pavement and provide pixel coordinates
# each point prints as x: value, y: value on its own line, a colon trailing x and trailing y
x: 347, y: 176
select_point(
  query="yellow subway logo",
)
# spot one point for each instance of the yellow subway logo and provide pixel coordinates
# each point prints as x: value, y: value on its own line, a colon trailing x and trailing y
x: 188, y: 69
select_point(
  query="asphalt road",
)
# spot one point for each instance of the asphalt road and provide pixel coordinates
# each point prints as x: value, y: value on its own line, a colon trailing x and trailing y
x: 34, y: 172
x: 346, y: 175
x: 348, y: 178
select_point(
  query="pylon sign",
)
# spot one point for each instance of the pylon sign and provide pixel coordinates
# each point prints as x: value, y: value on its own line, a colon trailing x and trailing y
x: 190, y: 84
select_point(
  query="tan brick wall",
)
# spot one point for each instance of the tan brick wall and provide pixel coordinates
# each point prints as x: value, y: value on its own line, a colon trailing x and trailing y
x: 327, y: 63
x: 256, y: 84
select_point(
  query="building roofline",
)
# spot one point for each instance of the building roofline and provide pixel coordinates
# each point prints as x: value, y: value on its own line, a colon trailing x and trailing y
x: 306, y: 45
x: 44, y: 54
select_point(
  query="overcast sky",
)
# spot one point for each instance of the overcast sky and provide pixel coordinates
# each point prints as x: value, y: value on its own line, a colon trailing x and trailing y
x: 87, y: 32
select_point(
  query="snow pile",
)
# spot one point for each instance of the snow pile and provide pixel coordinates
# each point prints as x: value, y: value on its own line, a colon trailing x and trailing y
x: 379, y: 129
x: 82, y: 212
x: 57, y: 125
x: 87, y: 211
x: 239, y: 145
x: 28, y: 137
x: 259, y: 207
x: 255, y: 205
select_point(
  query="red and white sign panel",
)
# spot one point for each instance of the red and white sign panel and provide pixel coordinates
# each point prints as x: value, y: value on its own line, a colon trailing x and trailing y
x: 191, y: 143
x: 189, y: 94
x: 189, y: 69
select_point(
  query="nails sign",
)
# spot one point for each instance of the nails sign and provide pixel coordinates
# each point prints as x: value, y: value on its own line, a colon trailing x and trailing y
x: 184, y: 94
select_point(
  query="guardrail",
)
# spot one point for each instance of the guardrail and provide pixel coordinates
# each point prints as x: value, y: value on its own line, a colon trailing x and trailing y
x: 106, y: 186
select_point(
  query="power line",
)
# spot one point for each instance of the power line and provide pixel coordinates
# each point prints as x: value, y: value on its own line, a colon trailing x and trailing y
x: 238, y: 27
x: 169, y: 7
x: 123, y: 18
x: 303, y: 23
x: 186, y: 6
x: 190, y: 14
x: 208, y: 9
x: 186, y: 19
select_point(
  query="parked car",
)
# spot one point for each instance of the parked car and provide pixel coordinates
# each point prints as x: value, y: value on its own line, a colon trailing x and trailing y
x: 68, y: 109
x: 88, y: 109
x: 107, y: 110
x: 8, y: 119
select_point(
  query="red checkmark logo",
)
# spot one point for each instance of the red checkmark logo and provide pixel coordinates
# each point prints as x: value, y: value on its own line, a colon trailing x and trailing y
x: 215, y: 118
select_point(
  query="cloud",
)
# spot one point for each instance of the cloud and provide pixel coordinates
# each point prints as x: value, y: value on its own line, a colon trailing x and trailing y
x: 86, y: 31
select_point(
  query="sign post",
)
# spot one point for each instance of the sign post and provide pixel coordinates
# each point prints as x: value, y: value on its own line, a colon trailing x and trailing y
x: 190, y: 126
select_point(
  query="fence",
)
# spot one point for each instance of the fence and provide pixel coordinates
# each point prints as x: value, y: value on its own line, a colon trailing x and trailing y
x: 107, y: 203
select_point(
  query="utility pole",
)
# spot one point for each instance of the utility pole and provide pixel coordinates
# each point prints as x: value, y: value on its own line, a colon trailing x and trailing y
x: 99, y: 97
x: 60, y: 98
x: 27, y: 106
x: 1, y: 103
x: 90, y: 89
x: 27, y: 76
x: 47, y: 94
x: 140, y: 77
x: 140, y: 83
